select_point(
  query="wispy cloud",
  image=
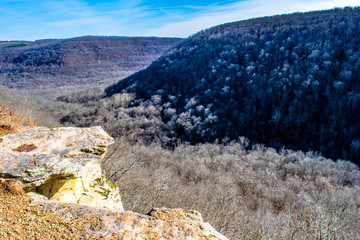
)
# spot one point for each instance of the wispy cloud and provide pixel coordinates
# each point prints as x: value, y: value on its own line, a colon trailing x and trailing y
x: 241, y: 11
x: 35, y: 19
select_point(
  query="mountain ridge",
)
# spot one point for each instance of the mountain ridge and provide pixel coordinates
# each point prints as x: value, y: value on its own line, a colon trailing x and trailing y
x: 77, y: 61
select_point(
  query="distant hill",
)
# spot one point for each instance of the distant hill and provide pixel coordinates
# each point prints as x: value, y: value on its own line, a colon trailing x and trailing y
x: 289, y: 80
x: 83, y: 60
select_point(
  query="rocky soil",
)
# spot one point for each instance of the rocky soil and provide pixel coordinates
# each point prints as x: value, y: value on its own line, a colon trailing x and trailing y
x: 21, y: 218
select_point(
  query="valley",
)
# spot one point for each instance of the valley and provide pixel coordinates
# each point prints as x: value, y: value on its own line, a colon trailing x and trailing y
x: 255, y: 123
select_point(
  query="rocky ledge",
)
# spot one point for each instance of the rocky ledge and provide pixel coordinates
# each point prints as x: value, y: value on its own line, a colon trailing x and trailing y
x: 59, y: 169
x: 160, y: 223
x: 62, y: 165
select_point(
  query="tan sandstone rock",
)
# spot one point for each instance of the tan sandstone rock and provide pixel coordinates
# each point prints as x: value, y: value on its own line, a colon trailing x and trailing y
x: 62, y: 164
x: 160, y: 223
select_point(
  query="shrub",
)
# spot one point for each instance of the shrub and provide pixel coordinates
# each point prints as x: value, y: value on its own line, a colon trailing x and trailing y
x: 11, y: 120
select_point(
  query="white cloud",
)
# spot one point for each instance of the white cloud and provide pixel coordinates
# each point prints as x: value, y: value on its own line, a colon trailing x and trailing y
x: 241, y: 11
x: 35, y: 19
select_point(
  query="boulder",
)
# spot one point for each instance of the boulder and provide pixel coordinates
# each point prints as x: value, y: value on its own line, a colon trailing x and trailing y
x: 160, y: 223
x: 62, y: 164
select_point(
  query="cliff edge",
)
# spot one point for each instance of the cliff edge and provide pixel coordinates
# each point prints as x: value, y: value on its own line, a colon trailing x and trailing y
x: 52, y: 186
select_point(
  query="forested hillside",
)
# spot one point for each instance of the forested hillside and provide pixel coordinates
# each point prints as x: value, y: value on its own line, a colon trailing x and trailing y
x: 285, y: 81
x: 77, y: 61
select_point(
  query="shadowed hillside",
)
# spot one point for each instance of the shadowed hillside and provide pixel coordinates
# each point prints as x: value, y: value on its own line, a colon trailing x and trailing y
x: 84, y: 60
x: 289, y: 80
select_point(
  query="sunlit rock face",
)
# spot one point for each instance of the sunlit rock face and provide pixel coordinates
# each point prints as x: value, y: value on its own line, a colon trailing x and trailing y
x: 62, y: 164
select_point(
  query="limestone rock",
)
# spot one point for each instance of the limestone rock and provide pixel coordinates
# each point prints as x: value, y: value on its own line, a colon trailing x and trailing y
x: 62, y: 164
x: 160, y: 223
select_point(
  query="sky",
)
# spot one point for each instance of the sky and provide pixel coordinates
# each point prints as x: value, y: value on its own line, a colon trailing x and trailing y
x: 40, y: 19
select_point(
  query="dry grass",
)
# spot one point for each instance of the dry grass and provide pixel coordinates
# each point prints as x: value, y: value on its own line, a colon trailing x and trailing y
x: 11, y: 120
x: 11, y: 186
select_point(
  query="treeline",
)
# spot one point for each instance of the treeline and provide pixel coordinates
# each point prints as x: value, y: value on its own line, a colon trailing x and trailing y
x: 78, y: 61
x: 244, y: 194
x: 285, y: 81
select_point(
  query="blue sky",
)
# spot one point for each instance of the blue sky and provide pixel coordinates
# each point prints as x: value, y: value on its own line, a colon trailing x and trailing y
x: 39, y: 19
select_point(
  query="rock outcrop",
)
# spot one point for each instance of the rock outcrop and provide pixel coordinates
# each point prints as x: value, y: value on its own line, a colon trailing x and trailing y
x: 60, y: 171
x: 62, y: 164
x: 160, y: 223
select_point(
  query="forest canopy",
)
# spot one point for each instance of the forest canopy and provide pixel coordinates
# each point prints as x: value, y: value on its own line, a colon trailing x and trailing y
x: 285, y: 81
